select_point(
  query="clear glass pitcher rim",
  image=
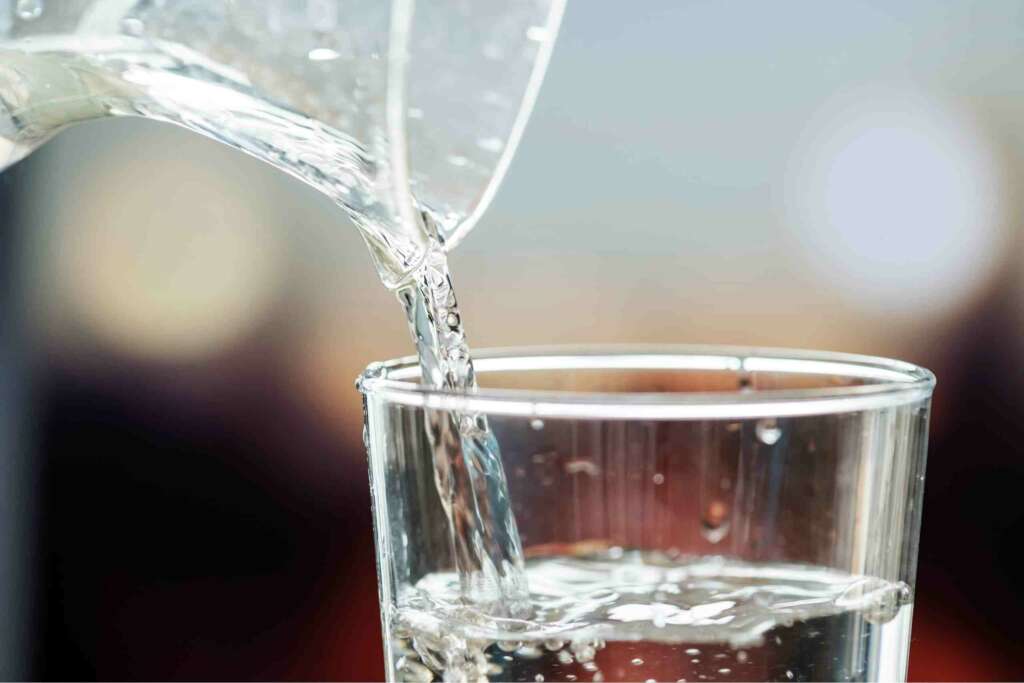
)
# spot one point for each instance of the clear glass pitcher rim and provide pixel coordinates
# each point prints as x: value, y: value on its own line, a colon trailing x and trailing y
x: 892, y: 383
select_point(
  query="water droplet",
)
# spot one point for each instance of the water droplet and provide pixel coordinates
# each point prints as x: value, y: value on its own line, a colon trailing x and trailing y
x: 741, y: 656
x: 539, y: 678
x: 695, y: 660
x: 554, y: 645
x: 887, y: 604
x: 768, y: 432
x: 29, y: 10
x: 452, y: 319
x: 789, y: 674
x: 693, y: 652
x: 658, y: 479
x: 650, y: 680
x: 598, y: 677
x: 680, y: 680
x: 133, y: 26
x: 569, y: 677
x: 565, y: 658
x: 322, y: 54
x: 636, y: 661
x: 509, y: 645
x: 536, y: 424
x: 725, y: 671
x: 490, y: 144
x: 778, y: 640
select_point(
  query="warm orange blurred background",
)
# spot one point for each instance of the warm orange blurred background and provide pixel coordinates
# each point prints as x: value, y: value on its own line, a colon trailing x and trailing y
x: 184, y: 489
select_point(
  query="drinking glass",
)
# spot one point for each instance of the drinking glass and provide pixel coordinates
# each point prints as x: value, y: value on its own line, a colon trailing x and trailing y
x: 685, y: 513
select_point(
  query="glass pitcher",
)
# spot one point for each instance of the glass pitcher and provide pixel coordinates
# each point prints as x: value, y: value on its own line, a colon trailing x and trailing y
x: 394, y: 110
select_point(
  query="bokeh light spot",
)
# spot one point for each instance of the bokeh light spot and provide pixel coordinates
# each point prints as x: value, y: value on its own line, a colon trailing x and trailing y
x: 895, y: 199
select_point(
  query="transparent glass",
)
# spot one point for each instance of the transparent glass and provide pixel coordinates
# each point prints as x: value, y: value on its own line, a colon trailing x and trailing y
x: 686, y: 513
x: 389, y: 107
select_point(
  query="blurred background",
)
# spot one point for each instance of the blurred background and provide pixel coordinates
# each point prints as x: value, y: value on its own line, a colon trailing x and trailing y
x: 183, y: 487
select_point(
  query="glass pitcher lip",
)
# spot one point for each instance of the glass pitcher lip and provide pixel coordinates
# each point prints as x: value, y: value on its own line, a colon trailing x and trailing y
x: 891, y: 383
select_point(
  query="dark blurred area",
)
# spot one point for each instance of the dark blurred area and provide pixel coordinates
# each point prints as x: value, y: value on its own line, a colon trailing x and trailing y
x: 184, y: 489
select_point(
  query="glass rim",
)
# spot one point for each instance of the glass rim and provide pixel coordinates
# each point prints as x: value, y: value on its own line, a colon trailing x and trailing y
x: 893, y: 383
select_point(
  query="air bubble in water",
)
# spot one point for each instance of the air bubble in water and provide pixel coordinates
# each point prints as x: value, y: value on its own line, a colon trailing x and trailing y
x: 582, y: 467
x: 636, y: 661
x: 414, y: 671
x: 714, y: 522
x: 693, y: 652
x: 554, y: 645
x: 725, y: 671
x: 536, y: 424
x: 658, y: 479
x: 768, y: 432
x: 539, y: 678
x: 29, y: 10
x: 789, y: 674
x: 585, y: 651
x: 741, y: 656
